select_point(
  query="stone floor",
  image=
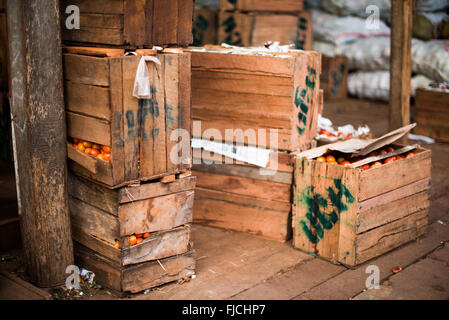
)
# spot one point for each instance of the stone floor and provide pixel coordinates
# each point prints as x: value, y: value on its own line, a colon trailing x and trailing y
x: 233, y: 265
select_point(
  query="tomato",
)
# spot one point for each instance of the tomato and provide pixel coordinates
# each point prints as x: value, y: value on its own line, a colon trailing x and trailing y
x: 323, y: 131
x: 87, y: 150
x: 105, y: 149
x: 117, y: 244
x: 87, y: 144
x: 81, y: 147
x: 349, y: 136
x: 390, y: 149
x: 107, y: 156
x: 96, y: 146
x: 388, y: 160
x: 345, y: 163
x: 139, y: 240
x: 139, y: 235
x: 410, y: 154
x: 321, y: 159
x: 366, y: 167
x: 381, y: 152
x: 75, y: 140
x: 341, y: 159
x: 132, y: 240
x: 146, y: 235
x: 100, y: 156
x: 330, y: 158
x: 94, y: 152
x: 376, y: 164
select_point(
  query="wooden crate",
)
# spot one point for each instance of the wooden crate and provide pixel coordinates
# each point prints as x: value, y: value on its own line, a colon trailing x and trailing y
x: 137, y: 277
x: 255, y: 29
x: 236, y: 196
x: 263, y: 5
x: 4, y: 63
x: 350, y: 216
x: 205, y: 25
x: 101, y: 216
x: 135, y: 24
x: 101, y: 109
x: 248, y: 91
x: 432, y: 114
x: 334, y: 77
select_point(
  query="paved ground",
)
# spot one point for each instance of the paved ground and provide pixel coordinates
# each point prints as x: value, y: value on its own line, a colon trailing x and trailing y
x: 234, y: 265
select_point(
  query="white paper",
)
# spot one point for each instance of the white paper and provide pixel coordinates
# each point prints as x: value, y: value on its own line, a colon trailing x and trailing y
x: 251, y: 155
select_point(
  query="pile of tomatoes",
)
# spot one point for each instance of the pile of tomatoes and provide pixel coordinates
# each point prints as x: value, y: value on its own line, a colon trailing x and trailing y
x: 134, y: 239
x: 341, y: 160
x: 95, y: 150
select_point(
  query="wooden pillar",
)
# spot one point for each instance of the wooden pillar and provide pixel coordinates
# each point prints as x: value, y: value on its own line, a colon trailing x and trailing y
x: 401, y: 62
x: 39, y: 138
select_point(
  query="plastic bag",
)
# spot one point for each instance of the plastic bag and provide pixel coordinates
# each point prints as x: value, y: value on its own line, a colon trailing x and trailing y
x: 431, y: 5
x: 340, y: 30
x: 431, y: 59
x: 142, y: 86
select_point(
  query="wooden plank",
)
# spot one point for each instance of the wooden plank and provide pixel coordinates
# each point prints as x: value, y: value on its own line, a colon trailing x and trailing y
x: 208, y: 194
x: 334, y: 77
x: 205, y: 26
x: 96, y: 52
x: 132, y: 123
x: 103, y: 175
x: 151, y: 274
x: 171, y: 86
x: 86, y: 70
x: 244, y: 186
x: 86, y: 161
x: 155, y: 189
x: 385, y: 238
x: 167, y: 12
x: 401, y: 63
x: 93, y: 194
x: 432, y: 100
x: 157, y: 214
x: 185, y: 21
x: 97, y: 36
x: 246, y: 172
x: 433, y: 119
x: 134, y: 29
x: 117, y: 119
x: 158, y: 246
x: 4, y: 63
x: 263, y: 5
x: 97, y: 6
x: 439, y: 134
x: 406, y: 171
x: 392, y: 211
x: 93, y: 221
x: 88, y: 100
x: 88, y: 128
x: 274, y: 225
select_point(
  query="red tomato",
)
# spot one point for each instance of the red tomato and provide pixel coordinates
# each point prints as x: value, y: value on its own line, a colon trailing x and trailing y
x: 388, y: 160
x: 330, y: 158
x: 376, y: 164
x: 366, y: 167
x: 81, y: 147
x: 106, y: 149
x: 345, y: 163
x: 107, y: 156
x: 87, y: 144
x: 87, y: 150
x: 94, y: 152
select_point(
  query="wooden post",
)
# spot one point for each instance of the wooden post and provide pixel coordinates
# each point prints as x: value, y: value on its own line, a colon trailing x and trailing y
x: 401, y: 63
x: 39, y: 138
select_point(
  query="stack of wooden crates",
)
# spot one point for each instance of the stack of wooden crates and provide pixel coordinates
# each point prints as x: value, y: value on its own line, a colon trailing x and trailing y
x: 255, y: 22
x: 140, y: 191
x: 241, y: 91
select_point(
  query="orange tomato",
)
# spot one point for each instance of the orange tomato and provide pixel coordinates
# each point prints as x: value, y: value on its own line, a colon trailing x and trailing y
x: 94, y: 152
x: 75, y: 140
x: 345, y: 163
x: 87, y: 150
x: 117, y: 244
x: 139, y: 240
x: 95, y: 146
x: 410, y: 154
x: 75, y: 145
x: 146, y: 235
x: 376, y: 164
x: 107, y: 156
x: 100, y: 156
x: 87, y: 144
x: 366, y: 167
x: 341, y: 159
x: 388, y: 160
x: 330, y: 158
x: 321, y: 159
x: 132, y: 240
x: 81, y: 147
x: 106, y: 149
x: 139, y: 235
